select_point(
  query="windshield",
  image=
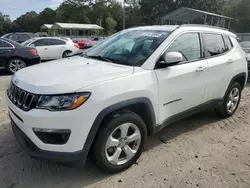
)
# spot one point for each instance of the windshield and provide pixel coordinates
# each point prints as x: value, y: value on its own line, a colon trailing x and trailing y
x: 245, y: 44
x: 28, y: 42
x: 131, y: 48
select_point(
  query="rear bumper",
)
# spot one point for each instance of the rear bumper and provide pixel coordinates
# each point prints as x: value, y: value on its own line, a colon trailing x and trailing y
x: 35, y: 152
x: 33, y: 61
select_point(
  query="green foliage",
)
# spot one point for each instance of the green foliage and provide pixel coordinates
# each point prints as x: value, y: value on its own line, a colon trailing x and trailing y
x: 109, y: 13
x: 110, y: 25
x: 240, y: 12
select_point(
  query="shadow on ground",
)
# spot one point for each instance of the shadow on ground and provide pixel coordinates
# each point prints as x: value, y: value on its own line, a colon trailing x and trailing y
x: 19, y: 170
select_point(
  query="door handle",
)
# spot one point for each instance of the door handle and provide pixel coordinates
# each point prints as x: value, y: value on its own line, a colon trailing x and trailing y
x: 45, y: 48
x: 230, y: 61
x: 200, y: 69
x: 7, y: 51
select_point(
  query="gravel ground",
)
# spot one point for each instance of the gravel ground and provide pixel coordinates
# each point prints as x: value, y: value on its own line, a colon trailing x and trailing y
x: 201, y: 151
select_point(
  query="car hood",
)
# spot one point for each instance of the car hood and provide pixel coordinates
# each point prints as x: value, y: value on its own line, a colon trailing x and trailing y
x: 68, y: 75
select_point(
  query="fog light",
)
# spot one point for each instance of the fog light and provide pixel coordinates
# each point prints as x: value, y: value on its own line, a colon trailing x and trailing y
x: 53, y: 136
x: 51, y: 130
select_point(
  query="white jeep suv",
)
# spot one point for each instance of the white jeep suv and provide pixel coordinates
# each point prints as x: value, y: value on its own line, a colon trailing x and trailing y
x: 131, y: 85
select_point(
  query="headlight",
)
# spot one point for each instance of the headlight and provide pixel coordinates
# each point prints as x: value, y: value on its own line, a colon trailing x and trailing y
x: 62, y: 102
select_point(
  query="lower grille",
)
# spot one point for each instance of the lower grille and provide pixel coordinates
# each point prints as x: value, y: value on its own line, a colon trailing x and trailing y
x: 21, y: 98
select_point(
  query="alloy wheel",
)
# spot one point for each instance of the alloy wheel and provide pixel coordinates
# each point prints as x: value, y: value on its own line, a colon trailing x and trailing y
x: 16, y: 64
x: 123, y: 144
x: 233, y: 100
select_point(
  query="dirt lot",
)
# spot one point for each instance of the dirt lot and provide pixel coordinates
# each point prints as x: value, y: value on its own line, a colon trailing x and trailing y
x: 201, y: 151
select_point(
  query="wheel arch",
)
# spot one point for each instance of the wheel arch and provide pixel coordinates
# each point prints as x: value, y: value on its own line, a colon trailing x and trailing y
x: 13, y: 57
x: 141, y: 106
x: 240, y: 78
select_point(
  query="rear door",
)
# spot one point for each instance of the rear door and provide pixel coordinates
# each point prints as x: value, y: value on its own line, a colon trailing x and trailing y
x: 56, y: 48
x: 42, y: 48
x: 5, y: 51
x: 220, y: 60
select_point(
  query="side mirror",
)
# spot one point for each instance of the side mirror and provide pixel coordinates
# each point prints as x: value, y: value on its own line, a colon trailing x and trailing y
x: 172, y: 58
x: 32, y: 45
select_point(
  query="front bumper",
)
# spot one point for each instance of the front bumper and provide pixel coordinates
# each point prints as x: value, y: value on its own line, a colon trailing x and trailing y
x: 78, y: 121
x: 35, y: 152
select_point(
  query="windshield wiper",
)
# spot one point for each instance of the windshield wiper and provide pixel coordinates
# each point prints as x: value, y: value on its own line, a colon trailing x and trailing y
x: 100, y: 58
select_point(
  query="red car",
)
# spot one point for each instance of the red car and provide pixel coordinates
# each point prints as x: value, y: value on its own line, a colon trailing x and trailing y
x: 84, y: 43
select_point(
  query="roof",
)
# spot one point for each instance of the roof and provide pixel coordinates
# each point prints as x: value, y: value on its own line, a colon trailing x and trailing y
x: 185, y: 14
x: 184, y: 27
x: 46, y: 26
x: 157, y: 27
x: 206, y: 28
x: 75, y: 26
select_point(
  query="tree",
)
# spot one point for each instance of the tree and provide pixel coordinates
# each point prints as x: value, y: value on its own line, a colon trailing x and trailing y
x: 28, y: 22
x: 47, y: 16
x: 153, y: 10
x: 110, y: 26
x: 5, y: 24
x: 240, y: 12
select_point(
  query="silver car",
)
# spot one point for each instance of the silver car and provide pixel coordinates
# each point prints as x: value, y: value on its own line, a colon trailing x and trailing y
x: 246, y: 47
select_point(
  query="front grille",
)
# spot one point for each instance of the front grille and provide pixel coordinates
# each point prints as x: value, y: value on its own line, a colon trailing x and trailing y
x: 21, y: 98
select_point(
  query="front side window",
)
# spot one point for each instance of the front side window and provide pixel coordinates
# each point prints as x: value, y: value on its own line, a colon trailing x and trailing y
x: 214, y: 44
x: 41, y: 42
x: 130, y: 48
x: 188, y: 45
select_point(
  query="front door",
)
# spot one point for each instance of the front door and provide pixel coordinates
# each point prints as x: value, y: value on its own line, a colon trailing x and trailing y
x: 182, y: 86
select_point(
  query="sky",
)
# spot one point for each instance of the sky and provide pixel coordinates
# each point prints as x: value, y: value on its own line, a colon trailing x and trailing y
x: 15, y: 8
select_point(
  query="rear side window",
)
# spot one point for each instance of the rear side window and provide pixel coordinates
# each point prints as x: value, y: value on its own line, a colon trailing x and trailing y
x: 189, y: 45
x: 57, y: 42
x: 41, y: 42
x: 4, y: 44
x: 228, y: 43
x: 214, y: 45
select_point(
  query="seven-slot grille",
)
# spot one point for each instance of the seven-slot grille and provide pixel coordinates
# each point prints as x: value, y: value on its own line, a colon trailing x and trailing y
x: 21, y: 98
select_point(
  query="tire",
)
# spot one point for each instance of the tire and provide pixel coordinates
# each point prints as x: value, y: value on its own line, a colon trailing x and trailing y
x: 233, y: 97
x: 103, y: 152
x: 15, y: 65
x: 65, y: 54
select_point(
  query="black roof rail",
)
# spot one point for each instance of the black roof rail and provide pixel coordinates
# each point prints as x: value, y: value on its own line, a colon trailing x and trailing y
x: 200, y: 25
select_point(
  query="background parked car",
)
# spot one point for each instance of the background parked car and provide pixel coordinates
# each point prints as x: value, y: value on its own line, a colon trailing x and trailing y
x: 42, y: 34
x: 98, y: 39
x: 14, y: 56
x: 19, y: 37
x: 84, y: 43
x: 50, y: 48
x: 246, y: 47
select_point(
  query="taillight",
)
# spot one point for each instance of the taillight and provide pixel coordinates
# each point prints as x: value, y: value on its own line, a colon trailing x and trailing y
x: 34, y: 51
x: 76, y: 45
